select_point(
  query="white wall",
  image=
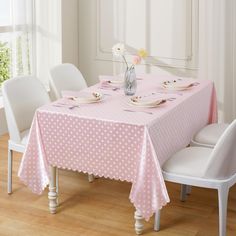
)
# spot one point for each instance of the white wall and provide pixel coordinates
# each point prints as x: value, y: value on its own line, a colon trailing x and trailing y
x: 167, y: 29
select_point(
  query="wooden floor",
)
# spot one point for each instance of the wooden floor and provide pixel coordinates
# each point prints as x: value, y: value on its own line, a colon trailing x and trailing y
x: 102, y: 208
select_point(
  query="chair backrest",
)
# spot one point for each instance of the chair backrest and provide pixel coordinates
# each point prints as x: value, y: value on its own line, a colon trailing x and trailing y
x: 22, y: 96
x: 222, y: 163
x: 66, y: 77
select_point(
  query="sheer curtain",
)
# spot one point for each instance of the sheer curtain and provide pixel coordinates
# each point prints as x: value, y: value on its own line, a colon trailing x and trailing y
x: 48, y: 29
x: 21, y: 39
x: 217, y: 52
x: 16, y: 38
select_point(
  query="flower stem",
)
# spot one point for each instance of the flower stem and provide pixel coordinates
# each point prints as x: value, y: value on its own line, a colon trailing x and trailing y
x: 125, y: 61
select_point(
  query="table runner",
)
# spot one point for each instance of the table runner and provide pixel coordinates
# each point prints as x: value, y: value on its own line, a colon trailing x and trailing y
x: 104, y: 140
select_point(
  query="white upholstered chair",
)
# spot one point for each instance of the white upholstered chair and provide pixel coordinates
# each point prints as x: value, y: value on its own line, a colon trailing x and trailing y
x: 206, y: 137
x: 65, y: 77
x: 208, y: 168
x: 22, y: 96
x: 209, y: 135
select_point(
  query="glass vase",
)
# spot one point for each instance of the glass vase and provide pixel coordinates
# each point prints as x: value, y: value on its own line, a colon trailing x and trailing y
x: 130, y: 82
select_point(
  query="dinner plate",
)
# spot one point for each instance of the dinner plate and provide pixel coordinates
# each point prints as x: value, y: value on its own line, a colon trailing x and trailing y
x: 144, y: 102
x: 115, y: 81
x: 112, y: 79
x: 89, y: 98
x: 175, y: 85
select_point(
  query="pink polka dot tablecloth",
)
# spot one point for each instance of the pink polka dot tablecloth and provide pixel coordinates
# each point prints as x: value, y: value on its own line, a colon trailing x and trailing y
x: 105, y: 139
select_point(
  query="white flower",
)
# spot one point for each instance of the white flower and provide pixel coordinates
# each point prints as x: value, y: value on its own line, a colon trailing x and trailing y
x: 118, y: 50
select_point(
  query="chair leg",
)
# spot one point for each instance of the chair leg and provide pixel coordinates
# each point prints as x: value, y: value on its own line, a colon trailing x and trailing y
x: 157, y: 220
x: 57, y: 186
x: 183, y: 192
x: 90, y: 178
x: 189, y: 189
x: 223, y: 192
x: 9, y: 181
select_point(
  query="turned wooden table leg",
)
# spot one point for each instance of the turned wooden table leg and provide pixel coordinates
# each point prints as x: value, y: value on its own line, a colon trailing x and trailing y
x: 138, y: 222
x: 52, y: 194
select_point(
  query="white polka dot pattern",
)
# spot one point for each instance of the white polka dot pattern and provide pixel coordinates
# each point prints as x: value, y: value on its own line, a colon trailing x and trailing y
x: 130, y: 150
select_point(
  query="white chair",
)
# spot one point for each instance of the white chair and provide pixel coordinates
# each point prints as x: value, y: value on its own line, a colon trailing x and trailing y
x: 209, y: 135
x: 206, y: 137
x: 21, y: 96
x: 208, y: 168
x: 65, y: 77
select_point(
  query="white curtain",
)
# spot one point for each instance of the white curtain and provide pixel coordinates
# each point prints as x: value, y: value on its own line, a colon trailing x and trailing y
x: 48, y: 27
x: 16, y: 36
x: 217, y: 52
x: 21, y: 39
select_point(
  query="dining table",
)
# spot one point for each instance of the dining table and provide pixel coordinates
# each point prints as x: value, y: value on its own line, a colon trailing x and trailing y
x: 116, y: 139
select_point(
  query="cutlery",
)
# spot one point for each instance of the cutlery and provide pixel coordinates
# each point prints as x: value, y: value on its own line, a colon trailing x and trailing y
x: 106, y: 94
x: 107, y: 88
x: 65, y: 105
x: 170, y: 99
x: 147, y: 112
x: 167, y: 99
x: 170, y: 92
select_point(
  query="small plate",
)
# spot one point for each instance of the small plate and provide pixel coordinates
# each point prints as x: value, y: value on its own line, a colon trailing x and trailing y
x: 111, y: 79
x: 115, y: 81
x: 140, y: 102
x: 175, y: 85
x: 90, y: 98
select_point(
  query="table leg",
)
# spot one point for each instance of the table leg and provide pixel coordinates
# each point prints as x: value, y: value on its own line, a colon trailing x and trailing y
x: 138, y: 222
x: 52, y: 194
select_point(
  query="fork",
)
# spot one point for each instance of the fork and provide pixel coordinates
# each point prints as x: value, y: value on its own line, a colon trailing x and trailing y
x: 147, y: 112
x: 112, y: 89
x: 170, y: 92
x: 65, y: 105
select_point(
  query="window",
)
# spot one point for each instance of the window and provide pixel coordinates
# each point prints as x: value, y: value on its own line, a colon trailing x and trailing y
x: 16, y: 27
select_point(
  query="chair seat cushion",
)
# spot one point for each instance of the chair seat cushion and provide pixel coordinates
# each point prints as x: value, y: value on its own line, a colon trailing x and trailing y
x: 210, y: 134
x: 191, y: 161
x: 24, y: 137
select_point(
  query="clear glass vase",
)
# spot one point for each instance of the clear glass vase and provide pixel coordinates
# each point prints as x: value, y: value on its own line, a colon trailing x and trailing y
x: 130, y: 82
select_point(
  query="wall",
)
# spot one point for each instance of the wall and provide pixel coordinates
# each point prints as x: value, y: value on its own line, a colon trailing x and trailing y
x: 167, y: 29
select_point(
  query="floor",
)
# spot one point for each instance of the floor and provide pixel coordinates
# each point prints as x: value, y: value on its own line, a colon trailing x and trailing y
x: 102, y: 208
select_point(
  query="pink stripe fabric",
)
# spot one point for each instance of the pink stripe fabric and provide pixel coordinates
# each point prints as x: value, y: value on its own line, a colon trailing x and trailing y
x: 105, y: 140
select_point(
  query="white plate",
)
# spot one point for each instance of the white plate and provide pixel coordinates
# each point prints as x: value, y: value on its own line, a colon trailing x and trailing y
x: 137, y: 101
x: 115, y: 81
x: 111, y: 79
x: 91, y: 98
x: 176, y: 85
